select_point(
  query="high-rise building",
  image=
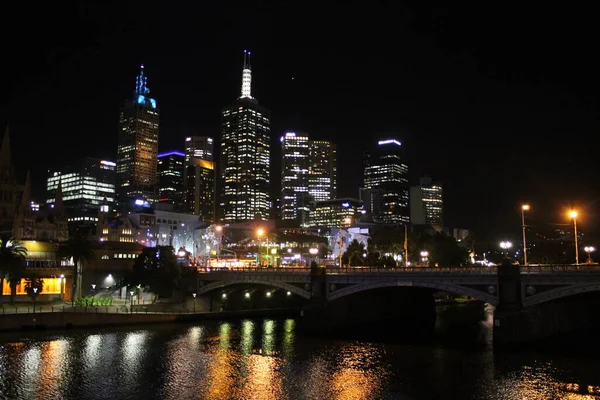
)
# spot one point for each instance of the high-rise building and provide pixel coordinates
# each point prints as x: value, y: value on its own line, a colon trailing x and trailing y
x: 245, y: 156
x: 426, y: 203
x: 170, y: 178
x: 138, y: 145
x: 199, y: 178
x: 295, y: 200
x: 335, y: 213
x: 385, y: 189
x: 201, y: 147
x: 322, y: 171
x: 86, y: 185
x: 10, y: 189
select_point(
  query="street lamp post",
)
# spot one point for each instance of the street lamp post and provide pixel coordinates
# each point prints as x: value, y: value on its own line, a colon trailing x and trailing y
x: 505, y: 245
x: 424, y: 257
x: 194, y: 294
x: 131, y: 293
x: 219, y: 230
x: 573, y: 214
x: 259, y: 233
x: 524, y: 207
x: 589, y: 250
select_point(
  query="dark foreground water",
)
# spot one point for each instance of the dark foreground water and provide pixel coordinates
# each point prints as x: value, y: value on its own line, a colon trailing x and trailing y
x: 270, y: 359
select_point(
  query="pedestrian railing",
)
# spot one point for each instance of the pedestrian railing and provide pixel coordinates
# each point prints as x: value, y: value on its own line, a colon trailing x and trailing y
x: 96, y: 310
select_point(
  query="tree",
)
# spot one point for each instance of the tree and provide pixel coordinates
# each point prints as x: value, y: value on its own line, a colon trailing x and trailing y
x: 34, y: 286
x: 156, y: 268
x: 80, y: 250
x: 12, y: 261
x: 354, y: 254
x: 443, y: 250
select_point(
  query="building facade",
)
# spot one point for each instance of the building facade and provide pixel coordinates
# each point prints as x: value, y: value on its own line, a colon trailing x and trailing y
x: 426, y: 203
x: 10, y: 190
x: 170, y: 178
x: 200, y: 178
x: 245, y: 156
x: 385, y: 189
x: 295, y: 199
x: 86, y: 185
x: 35, y: 225
x: 335, y: 213
x: 322, y: 170
x: 138, y: 145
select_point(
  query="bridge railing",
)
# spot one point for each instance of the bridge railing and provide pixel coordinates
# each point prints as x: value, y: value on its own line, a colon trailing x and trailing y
x: 531, y: 269
x: 548, y: 269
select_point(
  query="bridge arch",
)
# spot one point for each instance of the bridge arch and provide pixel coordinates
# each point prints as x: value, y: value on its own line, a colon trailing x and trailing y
x: 558, y: 293
x: 466, y: 291
x: 281, y: 285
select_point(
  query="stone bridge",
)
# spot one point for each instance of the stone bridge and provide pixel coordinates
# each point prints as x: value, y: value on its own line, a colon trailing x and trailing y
x: 534, y: 284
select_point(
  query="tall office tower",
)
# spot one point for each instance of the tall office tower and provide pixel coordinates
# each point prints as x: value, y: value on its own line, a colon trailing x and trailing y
x: 385, y: 186
x: 86, y: 185
x: 138, y: 145
x: 295, y: 162
x: 245, y: 156
x: 170, y: 178
x: 199, y: 178
x: 426, y: 203
x: 201, y: 147
x: 10, y: 189
x: 322, y: 171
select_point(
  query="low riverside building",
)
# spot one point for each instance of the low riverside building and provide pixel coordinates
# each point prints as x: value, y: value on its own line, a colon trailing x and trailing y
x: 42, y: 262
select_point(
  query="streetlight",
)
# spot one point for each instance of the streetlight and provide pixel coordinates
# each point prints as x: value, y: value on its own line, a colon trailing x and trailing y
x: 131, y: 293
x: 424, y: 255
x: 573, y: 214
x: 34, y: 296
x: 524, y: 207
x: 259, y: 233
x: 588, y: 250
x: 194, y: 294
x: 313, y: 252
x: 505, y: 246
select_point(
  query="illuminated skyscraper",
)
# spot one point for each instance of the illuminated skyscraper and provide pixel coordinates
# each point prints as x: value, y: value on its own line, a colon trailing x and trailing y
x: 199, y: 178
x: 138, y: 145
x: 199, y: 147
x: 308, y: 174
x: 322, y: 171
x: 295, y: 200
x: 426, y: 203
x: 170, y: 178
x: 385, y: 185
x: 87, y: 185
x: 245, y: 156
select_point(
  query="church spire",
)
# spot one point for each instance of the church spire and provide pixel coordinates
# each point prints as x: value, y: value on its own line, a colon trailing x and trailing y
x: 59, y: 206
x: 246, y: 77
x: 5, y: 156
x: 26, y: 197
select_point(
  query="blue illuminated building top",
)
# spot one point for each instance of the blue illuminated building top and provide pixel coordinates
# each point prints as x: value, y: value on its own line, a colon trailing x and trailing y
x: 141, y: 90
x: 171, y: 153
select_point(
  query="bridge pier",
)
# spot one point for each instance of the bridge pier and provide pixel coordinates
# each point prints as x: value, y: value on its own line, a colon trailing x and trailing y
x: 516, y: 324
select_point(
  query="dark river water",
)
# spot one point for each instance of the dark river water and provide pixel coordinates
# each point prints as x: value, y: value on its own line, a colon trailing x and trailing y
x: 270, y: 359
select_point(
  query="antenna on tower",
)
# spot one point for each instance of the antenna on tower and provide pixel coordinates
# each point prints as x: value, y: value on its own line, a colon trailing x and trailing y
x: 246, y: 76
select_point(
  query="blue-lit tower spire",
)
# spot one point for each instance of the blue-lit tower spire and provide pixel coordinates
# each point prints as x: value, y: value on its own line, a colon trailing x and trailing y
x: 141, y: 87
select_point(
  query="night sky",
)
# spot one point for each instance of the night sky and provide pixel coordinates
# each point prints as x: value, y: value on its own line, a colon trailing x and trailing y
x: 498, y: 102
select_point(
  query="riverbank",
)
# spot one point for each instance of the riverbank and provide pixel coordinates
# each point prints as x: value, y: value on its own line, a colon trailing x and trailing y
x: 89, y: 319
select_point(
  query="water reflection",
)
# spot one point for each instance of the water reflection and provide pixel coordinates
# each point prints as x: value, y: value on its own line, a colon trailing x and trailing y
x: 55, y: 366
x: 270, y: 359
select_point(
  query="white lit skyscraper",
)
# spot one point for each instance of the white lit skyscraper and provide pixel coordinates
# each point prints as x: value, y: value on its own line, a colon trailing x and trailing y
x: 426, y: 203
x: 308, y: 174
x: 199, y: 177
x: 322, y: 170
x: 385, y: 186
x: 295, y: 152
x: 245, y: 156
x: 138, y: 145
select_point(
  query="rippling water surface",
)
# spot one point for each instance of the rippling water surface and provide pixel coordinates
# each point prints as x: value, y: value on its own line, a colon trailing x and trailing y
x: 269, y: 359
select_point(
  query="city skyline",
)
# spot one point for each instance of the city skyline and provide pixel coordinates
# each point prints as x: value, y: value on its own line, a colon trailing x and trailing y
x: 476, y: 127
